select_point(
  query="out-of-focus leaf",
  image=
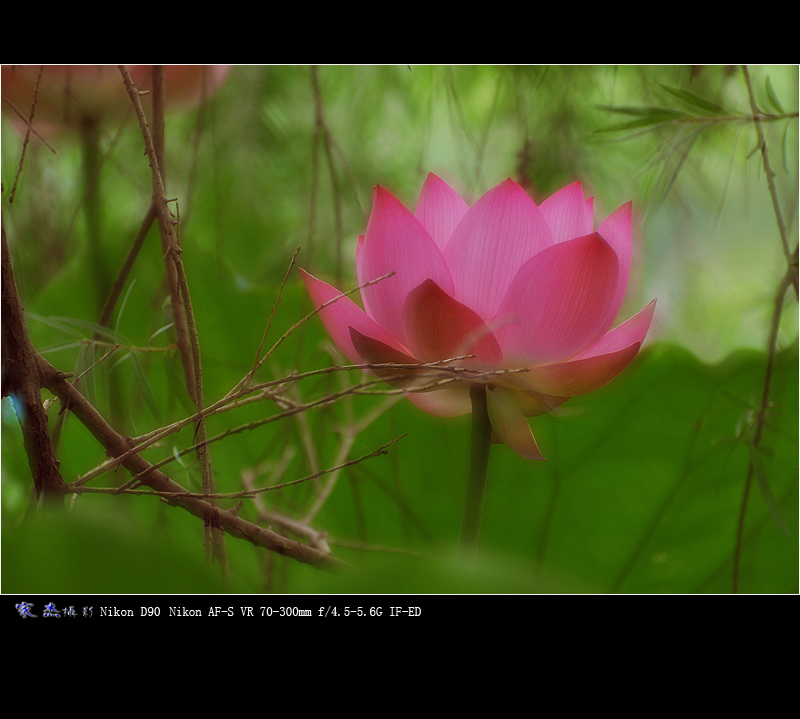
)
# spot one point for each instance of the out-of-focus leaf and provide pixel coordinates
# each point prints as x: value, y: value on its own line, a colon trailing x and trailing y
x: 55, y: 323
x: 144, y: 385
x: 123, y: 304
x: 785, y: 147
x: 762, y: 478
x: 647, y: 117
x: 177, y: 382
x: 160, y: 331
x: 773, y: 97
x: 61, y: 346
x: 90, y: 327
x: 707, y: 107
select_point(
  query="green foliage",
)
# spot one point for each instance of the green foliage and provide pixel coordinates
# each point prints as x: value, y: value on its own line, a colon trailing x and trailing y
x: 644, y: 483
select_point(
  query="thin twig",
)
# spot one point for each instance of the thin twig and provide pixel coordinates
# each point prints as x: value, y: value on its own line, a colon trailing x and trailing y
x: 316, y: 311
x: 256, y: 364
x: 760, y: 420
x: 127, y: 266
x: 243, y: 386
x: 178, y: 311
x: 314, y: 537
x: 27, y: 137
x: 244, y: 493
x: 770, y: 174
x: 174, y: 253
x: 321, y: 129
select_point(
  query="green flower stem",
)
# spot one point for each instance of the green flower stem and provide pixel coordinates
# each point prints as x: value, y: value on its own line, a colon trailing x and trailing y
x: 480, y: 444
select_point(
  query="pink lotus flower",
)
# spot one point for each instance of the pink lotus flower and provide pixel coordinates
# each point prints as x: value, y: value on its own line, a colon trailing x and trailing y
x: 519, y: 286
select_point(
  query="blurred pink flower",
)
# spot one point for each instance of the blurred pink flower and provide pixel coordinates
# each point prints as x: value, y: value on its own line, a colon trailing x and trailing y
x: 515, y: 284
x: 71, y: 95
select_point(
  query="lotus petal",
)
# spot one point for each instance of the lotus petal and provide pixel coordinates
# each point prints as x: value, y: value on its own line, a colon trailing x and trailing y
x: 510, y: 424
x: 559, y: 302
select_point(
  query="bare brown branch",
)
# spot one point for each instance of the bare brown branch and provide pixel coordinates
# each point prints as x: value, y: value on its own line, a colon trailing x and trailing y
x: 22, y: 382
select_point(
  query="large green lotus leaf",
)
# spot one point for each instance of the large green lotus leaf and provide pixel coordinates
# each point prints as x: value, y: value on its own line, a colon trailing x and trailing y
x: 641, y: 491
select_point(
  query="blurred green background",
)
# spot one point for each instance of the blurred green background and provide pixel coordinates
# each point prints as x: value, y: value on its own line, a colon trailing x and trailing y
x: 644, y: 484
